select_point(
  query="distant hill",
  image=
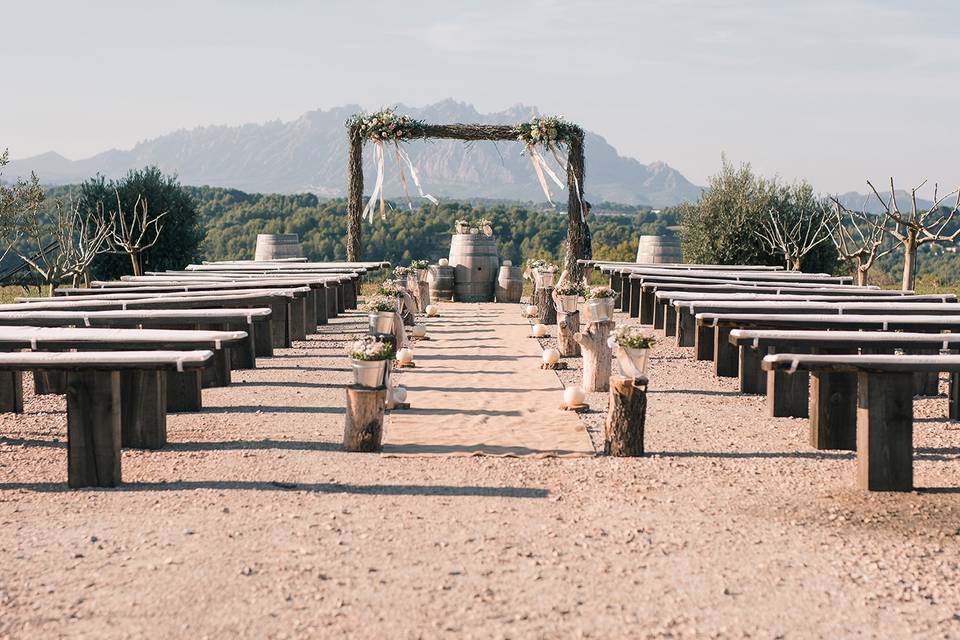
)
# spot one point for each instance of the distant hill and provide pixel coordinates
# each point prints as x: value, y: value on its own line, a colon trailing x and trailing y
x: 309, y: 155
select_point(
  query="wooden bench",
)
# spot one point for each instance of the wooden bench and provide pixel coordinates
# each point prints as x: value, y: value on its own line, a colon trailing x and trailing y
x: 254, y: 322
x: 712, y: 343
x: 643, y: 290
x: 95, y: 420
x: 884, y: 408
x: 287, y: 322
x: 681, y: 323
x: 830, y: 396
x: 183, y: 388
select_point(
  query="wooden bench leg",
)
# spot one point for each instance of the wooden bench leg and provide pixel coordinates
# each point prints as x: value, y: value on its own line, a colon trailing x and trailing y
x: 278, y: 324
x: 703, y: 342
x: 143, y: 409
x: 243, y: 355
x: 341, y: 299
x: 659, y: 313
x: 624, y: 294
x: 885, y: 431
x: 321, y: 302
x: 954, y: 397
x: 184, y: 392
x: 11, y: 392
x: 788, y: 394
x: 263, y: 338
x: 753, y: 379
x: 49, y: 382
x: 634, y: 298
x: 93, y: 428
x: 833, y: 411
x: 669, y: 320
x: 647, y: 303
x: 725, y: 356
x: 350, y: 295
x: 686, y: 328
x: 298, y: 318
x: 310, y: 312
x: 616, y: 283
x: 331, y: 294
x: 217, y: 373
x: 926, y: 384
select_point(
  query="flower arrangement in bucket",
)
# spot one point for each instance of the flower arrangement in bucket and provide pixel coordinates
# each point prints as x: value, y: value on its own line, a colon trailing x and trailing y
x: 545, y: 275
x: 485, y: 226
x: 462, y: 226
x: 369, y: 357
x: 402, y: 273
x: 390, y: 290
x: 632, y: 346
x: 568, y: 295
x: 382, y: 313
x: 600, y: 303
x: 419, y: 269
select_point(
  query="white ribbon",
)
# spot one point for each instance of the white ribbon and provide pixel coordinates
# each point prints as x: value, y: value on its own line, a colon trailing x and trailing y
x: 413, y: 174
x: 576, y: 183
x: 378, y: 185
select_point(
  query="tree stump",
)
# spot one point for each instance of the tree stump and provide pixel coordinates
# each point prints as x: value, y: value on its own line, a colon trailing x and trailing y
x: 567, y: 325
x: 597, y: 355
x: 546, y: 312
x: 420, y: 291
x: 363, y: 431
x: 626, y: 415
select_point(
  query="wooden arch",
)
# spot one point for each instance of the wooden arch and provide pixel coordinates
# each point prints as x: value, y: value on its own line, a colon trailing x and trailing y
x: 576, y: 220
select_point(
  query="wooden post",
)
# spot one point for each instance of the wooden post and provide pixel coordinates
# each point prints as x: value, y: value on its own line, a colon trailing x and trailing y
x: 11, y: 392
x: 568, y: 324
x: 616, y: 283
x: 310, y: 312
x: 576, y: 218
x: 184, y: 391
x: 364, y: 422
x: 669, y: 320
x: 753, y: 379
x: 788, y: 393
x: 926, y: 384
x: 686, y: 328
x: 321, y: 303
x: 354, y: 192
x: 341, y: 300
x: 49, y: 382
x: 597, y: 358
x: 659, y: 312
x: 143, y: 408
x: 263, y: 338
x: 296, y: 310
x: 243, y: 355
x: 703, y: 342
x: 833, y: 410
x: 885, y: 431
x: 331, y: 291
x: 217, y: 373
x: 93, y: 428
x: 546, y: 311
x: 280, y: 337
x: 626, y: 415
x: 725, y: 356
x: 625, y: 293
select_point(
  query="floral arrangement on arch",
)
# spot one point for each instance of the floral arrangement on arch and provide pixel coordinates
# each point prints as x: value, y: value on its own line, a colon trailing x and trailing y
x: 369, y: 348
x: 546, y: 130
x: 385, y: 125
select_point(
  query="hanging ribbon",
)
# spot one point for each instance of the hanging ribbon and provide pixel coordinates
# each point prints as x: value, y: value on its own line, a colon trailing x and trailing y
x: 572, y: 174
x: 539, y: 165
x: 413, y: 174
x: 377, y: 187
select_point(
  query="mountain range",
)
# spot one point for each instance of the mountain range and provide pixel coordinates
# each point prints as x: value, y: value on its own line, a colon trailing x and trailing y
x: 309, y: 154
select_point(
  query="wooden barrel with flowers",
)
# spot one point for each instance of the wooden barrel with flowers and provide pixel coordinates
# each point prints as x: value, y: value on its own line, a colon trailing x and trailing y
x: 475, y: 261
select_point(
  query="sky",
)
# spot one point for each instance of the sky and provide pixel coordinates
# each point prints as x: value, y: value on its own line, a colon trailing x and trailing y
x: 835, y: 92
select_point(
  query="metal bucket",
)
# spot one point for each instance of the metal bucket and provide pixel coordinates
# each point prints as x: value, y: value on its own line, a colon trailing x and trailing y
x: 369, y: 373
x: 633, y: 362
x: 381, y: 322
x: 600, y: 309
x: 278, y: 246
x: 568, y: 304
x: 475, y: 262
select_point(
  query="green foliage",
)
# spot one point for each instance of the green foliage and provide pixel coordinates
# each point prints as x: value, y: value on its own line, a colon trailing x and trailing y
x: 182, y: 232
x: 235, y: 218
x: 721, y: 228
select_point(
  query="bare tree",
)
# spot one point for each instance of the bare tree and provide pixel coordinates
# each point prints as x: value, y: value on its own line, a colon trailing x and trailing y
x: 135, y: 235
x: 60, y: 246
x: 859, y: 238
x: 918, y: 226
x: 796, y: 224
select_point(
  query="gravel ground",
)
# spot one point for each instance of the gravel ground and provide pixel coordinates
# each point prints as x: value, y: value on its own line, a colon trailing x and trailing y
x: 252, y: 523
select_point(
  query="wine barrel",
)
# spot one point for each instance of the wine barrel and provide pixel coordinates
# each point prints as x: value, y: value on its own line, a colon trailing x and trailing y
x: 509, y: 284
x: 658, y: 249
x: 277, y: 246
x: 440, y: 279
x: 473, y: 257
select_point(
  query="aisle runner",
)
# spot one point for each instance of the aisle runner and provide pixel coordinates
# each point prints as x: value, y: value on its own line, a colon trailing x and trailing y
x: 478, y: 389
